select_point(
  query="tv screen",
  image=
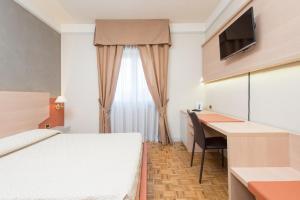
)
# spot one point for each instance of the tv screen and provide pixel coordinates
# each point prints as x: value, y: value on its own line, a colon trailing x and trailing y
x: 239, y: 36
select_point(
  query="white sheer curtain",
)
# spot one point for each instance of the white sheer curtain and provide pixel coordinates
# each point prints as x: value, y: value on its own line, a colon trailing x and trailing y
x: 133, y: 109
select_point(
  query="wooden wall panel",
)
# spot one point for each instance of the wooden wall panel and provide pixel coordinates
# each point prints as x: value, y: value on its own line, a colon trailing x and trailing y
x: 22, y: 111
x: 278, y: 41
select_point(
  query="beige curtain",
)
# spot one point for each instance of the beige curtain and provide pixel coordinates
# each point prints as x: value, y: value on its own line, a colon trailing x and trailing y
x: 153, y: 39
x: 155, y: 63
x: 132, y: 32
x: 109, y: 59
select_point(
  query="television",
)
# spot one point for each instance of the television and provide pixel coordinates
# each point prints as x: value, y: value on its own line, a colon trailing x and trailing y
x: 239, y: 36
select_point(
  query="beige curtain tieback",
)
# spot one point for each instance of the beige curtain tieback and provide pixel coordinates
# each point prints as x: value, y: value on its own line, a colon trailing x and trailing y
x: 163, y: 110
x: 106, y: 111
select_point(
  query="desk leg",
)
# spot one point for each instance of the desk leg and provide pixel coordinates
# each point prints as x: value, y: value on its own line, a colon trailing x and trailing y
x: 238, y: 190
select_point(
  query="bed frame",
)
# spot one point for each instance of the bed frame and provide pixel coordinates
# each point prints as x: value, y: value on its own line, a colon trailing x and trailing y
x: 143, y: 181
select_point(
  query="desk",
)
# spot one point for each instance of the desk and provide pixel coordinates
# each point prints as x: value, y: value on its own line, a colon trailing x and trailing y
x: 248, y: 174
x: 213, y: 117
x: 252, y: 145
x: 245, y: 128
x: 261, y: 181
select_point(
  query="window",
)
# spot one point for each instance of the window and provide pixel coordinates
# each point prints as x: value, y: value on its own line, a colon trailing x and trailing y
x: 133, y: 108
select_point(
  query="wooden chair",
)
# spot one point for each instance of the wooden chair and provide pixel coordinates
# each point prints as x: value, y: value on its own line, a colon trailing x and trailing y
x: 204, y: 142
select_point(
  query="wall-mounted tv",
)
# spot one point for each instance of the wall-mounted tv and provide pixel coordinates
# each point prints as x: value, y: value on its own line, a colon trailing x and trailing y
x: 239, y: 36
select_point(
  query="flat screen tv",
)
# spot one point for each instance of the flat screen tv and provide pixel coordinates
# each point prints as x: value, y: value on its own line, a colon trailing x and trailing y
x: 239, y: 36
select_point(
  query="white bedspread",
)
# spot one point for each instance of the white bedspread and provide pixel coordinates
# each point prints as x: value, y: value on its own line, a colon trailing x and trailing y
x: 73, y: 167
x: 21, y: 140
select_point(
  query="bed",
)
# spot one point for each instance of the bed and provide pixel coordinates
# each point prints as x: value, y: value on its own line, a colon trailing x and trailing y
x: 48, y: 165
x: 41, y: 164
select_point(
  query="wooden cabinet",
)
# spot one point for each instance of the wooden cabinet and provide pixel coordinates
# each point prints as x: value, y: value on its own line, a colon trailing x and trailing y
x: 187, y: 132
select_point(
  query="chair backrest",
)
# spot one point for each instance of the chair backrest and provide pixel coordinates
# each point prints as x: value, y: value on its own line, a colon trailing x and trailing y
x: 199, y: 135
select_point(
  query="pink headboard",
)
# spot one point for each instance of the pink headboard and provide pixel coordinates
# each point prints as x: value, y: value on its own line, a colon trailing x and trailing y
x: 22, y: 111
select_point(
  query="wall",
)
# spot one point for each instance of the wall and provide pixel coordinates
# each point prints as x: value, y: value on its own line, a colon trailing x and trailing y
x: 29, y: 52
x: 229, y: 96
x: 230, y: 10
x: 80, y: 82
x: 274, y: 94
x: 275, y: 97
x: 185, y: 88
x: 80, y: 86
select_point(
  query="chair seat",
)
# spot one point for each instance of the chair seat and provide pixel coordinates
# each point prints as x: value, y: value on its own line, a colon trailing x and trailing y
x: 216, y: 143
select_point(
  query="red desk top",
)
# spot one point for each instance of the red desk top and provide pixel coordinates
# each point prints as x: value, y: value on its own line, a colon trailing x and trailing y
x: 275, y: 190
x: 208, y: 118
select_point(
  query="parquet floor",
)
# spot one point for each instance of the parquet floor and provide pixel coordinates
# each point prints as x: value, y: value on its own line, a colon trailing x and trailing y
x: 170, y: 176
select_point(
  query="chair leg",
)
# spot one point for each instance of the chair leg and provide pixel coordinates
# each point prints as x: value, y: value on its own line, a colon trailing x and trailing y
x: 202, y: 164
x: 193, y: 151
x: 222, y: 158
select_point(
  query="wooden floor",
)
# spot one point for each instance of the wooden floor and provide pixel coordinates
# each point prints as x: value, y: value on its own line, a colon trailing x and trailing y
x: 171, y: 177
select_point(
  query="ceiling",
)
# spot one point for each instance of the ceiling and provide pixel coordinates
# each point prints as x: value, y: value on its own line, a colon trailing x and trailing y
x: 58, y: 12
x: 176, y: 10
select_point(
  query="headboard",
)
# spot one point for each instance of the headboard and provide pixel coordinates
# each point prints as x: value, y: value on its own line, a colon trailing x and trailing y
x: 21, y: 111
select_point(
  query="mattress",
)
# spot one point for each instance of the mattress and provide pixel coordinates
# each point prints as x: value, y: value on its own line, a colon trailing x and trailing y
x: 73, y: 167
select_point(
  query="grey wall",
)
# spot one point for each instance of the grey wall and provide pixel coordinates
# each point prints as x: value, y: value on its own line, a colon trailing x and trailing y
x: 29, y: 52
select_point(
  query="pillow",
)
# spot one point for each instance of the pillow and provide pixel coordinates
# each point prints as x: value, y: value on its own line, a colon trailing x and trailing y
x: 23, y: 139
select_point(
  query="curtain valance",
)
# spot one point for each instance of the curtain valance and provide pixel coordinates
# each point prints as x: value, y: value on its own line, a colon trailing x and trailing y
x: 132, y: 32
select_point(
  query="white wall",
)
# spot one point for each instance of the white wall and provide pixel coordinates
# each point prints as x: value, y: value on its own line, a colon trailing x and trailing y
x: 185, y: 72
x: 275, y: 97
x: 80, y: 86
x: 80, y: 82
x: 229, y: 96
